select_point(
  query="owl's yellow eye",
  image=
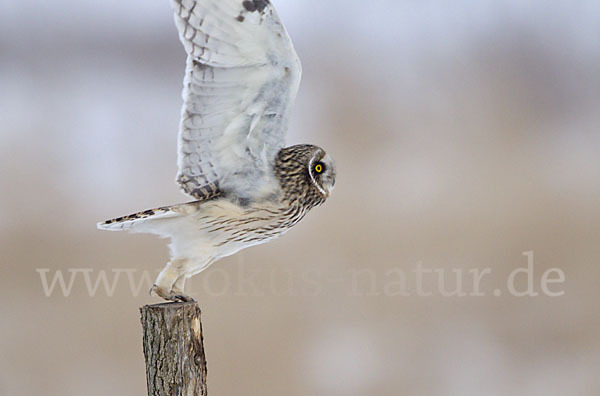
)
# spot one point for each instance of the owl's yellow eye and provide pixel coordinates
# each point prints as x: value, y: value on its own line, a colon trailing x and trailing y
x: 319, y: 168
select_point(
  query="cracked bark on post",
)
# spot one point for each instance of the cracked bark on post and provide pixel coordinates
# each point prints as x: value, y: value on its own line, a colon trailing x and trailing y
x: 174, y: 350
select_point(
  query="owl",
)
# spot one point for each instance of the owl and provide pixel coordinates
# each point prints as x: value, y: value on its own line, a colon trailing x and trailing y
x: 241, y: 80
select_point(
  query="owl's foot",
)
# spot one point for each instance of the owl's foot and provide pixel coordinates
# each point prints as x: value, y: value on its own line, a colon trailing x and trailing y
x: 170, y: 295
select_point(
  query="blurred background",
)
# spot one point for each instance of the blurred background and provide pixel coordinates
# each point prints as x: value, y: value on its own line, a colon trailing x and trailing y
x: 465, y: 133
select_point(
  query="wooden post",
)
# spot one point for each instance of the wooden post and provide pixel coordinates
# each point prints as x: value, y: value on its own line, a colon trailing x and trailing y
x: 174, y: 350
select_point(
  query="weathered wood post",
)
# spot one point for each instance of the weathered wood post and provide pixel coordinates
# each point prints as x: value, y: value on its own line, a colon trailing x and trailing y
x: 174, y: 350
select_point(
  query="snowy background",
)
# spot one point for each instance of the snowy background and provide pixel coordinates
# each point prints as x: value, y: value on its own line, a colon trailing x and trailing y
x: 465, y: 133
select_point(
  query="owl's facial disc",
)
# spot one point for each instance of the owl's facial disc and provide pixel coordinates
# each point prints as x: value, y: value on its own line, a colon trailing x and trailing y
x: 322, y: 172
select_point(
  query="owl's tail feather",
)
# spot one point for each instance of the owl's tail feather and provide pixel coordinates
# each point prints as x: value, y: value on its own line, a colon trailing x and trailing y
x: 133, y: 220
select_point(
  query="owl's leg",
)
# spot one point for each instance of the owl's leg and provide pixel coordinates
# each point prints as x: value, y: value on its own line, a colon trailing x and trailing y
x: 165, y: 284
x: 179, y: 285
x: 193, y: 267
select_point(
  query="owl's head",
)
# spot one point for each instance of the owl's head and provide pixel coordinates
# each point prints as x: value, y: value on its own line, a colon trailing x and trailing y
x: 306, y: 173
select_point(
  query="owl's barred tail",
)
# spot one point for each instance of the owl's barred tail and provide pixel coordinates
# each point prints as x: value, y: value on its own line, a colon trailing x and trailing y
x: 126, y: 222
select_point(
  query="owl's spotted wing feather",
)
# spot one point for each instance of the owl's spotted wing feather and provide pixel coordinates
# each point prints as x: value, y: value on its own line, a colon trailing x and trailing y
x: 241, y: 80
x: 135, y: 222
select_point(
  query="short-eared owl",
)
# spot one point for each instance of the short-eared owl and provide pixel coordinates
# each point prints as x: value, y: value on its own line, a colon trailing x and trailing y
x: 240, y: 83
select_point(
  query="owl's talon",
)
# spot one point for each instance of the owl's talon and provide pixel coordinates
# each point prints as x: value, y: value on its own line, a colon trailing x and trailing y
x: 170, y: 296
x: 184, y: 298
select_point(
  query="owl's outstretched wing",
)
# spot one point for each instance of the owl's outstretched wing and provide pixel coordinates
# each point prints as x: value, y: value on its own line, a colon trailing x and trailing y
x: 241, y: 80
